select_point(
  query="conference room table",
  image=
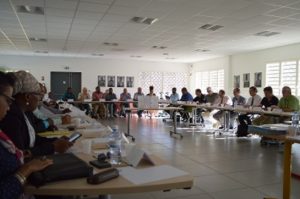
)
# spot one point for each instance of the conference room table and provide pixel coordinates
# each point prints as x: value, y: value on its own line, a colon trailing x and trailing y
x: 94, y: 132
x: 174, y: 109
x: 120, y: 185
x: 241, y: 110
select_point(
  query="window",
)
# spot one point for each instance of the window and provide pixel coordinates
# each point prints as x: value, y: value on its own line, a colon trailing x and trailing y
x: 163, y: 82
x: 282, y: 74
x: 214, y: 79
x: 273, y: 77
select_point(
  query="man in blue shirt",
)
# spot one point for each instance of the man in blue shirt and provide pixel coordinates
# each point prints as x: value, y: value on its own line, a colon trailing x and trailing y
x: 186, y: 96
x: 174, y: 97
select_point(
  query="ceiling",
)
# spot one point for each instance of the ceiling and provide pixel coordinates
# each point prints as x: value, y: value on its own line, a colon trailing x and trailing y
x: 80, y: 27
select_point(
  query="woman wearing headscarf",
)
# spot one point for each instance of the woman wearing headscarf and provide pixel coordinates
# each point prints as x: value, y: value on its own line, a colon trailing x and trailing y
x: 18, y: 123
x: 13, y: 173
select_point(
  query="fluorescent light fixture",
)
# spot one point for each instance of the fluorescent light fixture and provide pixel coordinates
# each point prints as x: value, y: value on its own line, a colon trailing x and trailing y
x: 37, y: 39
x: 202, y: 50
x: 211, y: 27
x: 98, y: 54
x: 144, y: 20
x: 135, y: 56
x: 266, y: 33
x: 41, y: 51
x: 30, y: 9
x: 171, y: 58
x: 110, y: 44
x: 159, y: 47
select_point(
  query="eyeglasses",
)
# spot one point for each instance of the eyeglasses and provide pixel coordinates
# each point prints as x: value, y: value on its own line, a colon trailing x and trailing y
x: 8, y: 99
x: 39, y: 95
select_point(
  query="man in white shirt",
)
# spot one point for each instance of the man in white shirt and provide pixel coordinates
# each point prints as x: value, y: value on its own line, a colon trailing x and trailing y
x: 244, y: 120
x: 222, y: 101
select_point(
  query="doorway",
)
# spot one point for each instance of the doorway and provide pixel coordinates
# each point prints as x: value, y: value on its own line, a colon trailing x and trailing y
x: 60, y: 81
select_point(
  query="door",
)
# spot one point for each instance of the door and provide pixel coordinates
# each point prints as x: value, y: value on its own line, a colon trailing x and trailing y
x: 60, y: 81
x: 75, y: 79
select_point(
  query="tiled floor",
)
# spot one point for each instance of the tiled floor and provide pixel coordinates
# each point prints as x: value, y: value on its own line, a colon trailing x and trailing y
x: 224, y: 168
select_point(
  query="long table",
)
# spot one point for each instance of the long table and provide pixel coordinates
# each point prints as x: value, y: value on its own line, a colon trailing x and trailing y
x: 119, y: 185
x: 175, y: 109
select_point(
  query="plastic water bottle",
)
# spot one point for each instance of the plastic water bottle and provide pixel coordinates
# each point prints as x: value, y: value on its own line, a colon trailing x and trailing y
x: 114, y: 142
x: 295, y: 123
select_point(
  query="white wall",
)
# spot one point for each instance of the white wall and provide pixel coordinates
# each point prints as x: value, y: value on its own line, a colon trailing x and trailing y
x: 251, y: 62
x: 90, y: 67
x: 256, y: 62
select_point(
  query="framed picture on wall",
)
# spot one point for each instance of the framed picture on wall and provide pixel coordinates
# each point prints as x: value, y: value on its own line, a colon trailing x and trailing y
x: 246, y: 78
x: 129, y: 82
x: 101, y: 80
x: 258, y: 79
x: 120, y: 81
x: 111, y: 81
x: 236, y: 81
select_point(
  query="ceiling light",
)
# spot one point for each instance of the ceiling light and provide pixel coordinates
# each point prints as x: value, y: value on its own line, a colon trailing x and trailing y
x: 202, y: 50
x: 144, y: 20
x: 30, y: 9
x: 110, y: 44
x: 211, y: 27
x: 266, y: 33
x: 159, y: 47
x: 97, y: 54
x: 135, y: 56
x: 41, y: 51
x: 170, y: 58
x: 37, y: 39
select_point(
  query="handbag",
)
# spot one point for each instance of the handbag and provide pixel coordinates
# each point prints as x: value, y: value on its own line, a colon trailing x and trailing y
x: 65, y: 167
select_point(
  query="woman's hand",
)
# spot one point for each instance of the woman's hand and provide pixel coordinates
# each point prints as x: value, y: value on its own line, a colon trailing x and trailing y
x: 34, y: 165
x: 62, y: 145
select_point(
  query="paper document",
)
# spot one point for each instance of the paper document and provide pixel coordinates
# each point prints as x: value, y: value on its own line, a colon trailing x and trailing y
x: 134, y: 155
x: 151, y: 174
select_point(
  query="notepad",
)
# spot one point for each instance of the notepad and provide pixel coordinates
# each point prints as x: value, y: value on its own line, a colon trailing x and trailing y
x: 55, y: 133
x: 151, y: 174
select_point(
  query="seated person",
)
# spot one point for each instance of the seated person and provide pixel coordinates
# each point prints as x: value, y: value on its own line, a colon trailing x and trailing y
x: 13, y: 170
x: 125, y: 96
x: 151, y: 91
x: 99, y: 110
x: 244, y: 119
x: 222, y: 101
x: 237, y: 100
x: 288, y: 102
x: 211, y: 96
x: 136, y: 98
x: 174, y: 97
x: 84, y: 95
x: 269, y: 101
x: 19, y: 127
x: 110, y: 96
x: 200, y: 99
x: 69, y: 95
x: 186, y: 96
x: 39, y: 117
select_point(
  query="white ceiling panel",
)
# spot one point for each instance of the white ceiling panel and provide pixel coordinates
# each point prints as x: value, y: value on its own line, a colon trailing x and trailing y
x: 92, y: 7
x: 80, y: 27
x: 61, y: 4
x: 59, y: 12
x: 284, y: 12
